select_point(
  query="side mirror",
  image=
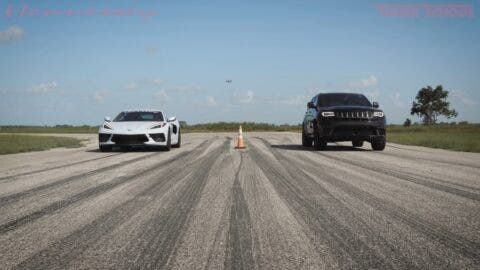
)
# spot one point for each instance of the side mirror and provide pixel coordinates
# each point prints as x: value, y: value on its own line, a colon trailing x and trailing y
x: 310, y: 105
x: 107, y: 119
x: 375, y: 104
x: 171, y: 119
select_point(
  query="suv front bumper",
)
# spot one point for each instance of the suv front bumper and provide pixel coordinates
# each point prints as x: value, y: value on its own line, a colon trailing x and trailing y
x: 334, y: 130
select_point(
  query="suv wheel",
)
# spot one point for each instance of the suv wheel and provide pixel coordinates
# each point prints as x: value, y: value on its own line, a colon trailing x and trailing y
x: 378, y: 145
x: 306, y: 141
x: 105, y: 148
x: 318, y: 142
x: 357, y: 143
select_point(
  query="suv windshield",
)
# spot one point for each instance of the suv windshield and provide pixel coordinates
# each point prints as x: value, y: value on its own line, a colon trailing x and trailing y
x: 328, y: 100
x: 139, y: 116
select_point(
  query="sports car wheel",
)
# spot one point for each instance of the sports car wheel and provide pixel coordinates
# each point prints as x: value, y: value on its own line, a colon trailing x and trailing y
x: 179, y: 142
x: 169, y: 142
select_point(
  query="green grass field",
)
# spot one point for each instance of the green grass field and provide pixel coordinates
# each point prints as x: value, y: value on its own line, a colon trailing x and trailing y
x: 454, y: 137
x: 16, y: 143
x: 49, y: 129
x: 460, y: 137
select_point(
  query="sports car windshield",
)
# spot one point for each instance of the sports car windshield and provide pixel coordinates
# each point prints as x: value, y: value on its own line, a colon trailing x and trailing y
x: 139, y: 116
x: 343, y: 100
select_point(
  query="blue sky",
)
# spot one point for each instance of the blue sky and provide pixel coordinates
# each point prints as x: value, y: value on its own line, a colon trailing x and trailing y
x: 76, y: 69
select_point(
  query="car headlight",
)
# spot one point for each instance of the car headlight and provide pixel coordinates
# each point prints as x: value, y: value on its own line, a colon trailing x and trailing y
x: 105, y: 126
x: 158, y: 126
x: 328, y: 114
x: 377, y: 114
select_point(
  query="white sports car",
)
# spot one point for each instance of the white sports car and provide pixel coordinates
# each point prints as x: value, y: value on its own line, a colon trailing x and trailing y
x: 139, y: 128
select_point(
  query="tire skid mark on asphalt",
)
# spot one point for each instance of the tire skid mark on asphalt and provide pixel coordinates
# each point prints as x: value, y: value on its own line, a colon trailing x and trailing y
x: 288, y: 246
x: 430, y: 160
x: 23, y: 194
x: 90, y: 192
x: 222, y: 229
x: 297, y: 168
x: 432, y: 179
x: 165, y: 230
x: 460, y: 244
x: 12, y: 177
x: 239, y: 252
x: 62, y: 253
x: 411, y: 174
x: 347, y: 247
x: 410, y: 177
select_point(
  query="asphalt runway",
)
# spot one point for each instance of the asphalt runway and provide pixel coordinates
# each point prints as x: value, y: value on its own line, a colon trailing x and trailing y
x: 275, y: 205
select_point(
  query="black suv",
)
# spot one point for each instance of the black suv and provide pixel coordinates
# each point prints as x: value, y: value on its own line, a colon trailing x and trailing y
x: 334, y: 117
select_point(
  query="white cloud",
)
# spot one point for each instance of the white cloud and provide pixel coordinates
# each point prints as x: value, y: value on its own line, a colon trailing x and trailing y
x: 211, y: 101
x: 161, y: 96
x: 156, y: 81
x: 187, y: 88
x: 132, y: 86
x: 151, y: 50
x: 135, y: 85
x: 244, y: 98
x: 373, y: 94
x: 292, y: 101
x: 11, y: 34
x: 397, y: 101
x: 313, y: 90
x: 371, y: 81
x: 99, y: 96
x: 461, y: 96
x: 44, y: 87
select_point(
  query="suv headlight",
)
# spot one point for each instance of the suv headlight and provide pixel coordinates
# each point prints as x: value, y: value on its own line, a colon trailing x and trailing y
x: 377, y: 114
x: 105, y: 126
x: 328, y: 114
x: 158, y: 126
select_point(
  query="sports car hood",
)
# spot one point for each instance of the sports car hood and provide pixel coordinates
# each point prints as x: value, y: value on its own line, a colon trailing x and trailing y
x: 138, y: 126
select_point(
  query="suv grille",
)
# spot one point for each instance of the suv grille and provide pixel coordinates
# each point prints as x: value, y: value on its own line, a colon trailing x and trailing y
x: 354, y: 115
x: 129, y: 139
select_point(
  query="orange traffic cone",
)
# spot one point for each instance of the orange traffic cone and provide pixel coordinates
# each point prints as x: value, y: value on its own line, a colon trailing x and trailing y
x: 240, y: 144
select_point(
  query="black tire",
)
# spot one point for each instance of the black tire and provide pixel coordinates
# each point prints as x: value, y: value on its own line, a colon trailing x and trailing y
x: 357, y: 143
x: 318, y: 142
x: 378, y: 145
x: 177, y: 145
x: 169, y: 142
x: 105, y: 148
x: 306, y: 141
